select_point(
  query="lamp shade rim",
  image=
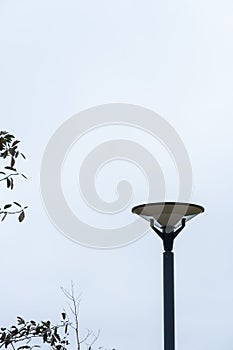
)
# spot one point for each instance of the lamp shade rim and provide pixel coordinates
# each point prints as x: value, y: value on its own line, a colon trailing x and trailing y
x: 197, y: 206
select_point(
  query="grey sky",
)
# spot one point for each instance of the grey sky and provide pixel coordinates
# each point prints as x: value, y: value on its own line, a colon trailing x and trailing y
x: 60, y: 57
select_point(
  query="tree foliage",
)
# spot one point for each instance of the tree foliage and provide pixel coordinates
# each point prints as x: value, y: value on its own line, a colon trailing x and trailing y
x: 20, y: 336
x: 9, y: 152
x: 32, y: 334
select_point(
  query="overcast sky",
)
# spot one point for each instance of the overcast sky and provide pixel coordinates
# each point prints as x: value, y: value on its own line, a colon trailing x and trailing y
x: 175, y: 58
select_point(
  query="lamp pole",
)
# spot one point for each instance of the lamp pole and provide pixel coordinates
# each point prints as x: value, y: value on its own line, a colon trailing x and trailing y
x: 168, y: 219
x: 168, y: 234
x: 168, y: 300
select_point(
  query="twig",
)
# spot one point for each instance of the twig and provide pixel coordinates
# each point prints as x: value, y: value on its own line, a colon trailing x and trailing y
x: 6, y: 177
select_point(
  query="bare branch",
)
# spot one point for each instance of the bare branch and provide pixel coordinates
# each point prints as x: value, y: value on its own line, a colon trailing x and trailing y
x: 10, y: 175
x: 95, y: 338
x: 89, y: 333
x: 75, y: 311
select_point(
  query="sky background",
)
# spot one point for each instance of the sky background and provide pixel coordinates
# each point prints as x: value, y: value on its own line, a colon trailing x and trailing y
x: 61, y: 57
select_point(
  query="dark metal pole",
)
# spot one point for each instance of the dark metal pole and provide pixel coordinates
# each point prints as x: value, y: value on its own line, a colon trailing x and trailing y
x: 168, y: 299
x: 168, y: 235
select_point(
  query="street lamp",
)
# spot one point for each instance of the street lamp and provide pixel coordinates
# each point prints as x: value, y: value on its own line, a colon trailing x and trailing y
x: 167, y: 219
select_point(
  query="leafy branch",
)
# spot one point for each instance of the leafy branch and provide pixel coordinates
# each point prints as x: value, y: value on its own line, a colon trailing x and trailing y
x: 20, y: 212
x: 44, y: 331
x: 9, y: 150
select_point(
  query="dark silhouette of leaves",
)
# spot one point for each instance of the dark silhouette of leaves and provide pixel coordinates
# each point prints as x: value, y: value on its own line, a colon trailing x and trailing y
x: 9, y: 149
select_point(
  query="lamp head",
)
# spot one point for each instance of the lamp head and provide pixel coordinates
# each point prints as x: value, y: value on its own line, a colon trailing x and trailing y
x: 168, y: 214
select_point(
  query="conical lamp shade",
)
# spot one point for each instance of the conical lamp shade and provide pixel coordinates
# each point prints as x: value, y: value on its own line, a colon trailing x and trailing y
x: 168, y: 213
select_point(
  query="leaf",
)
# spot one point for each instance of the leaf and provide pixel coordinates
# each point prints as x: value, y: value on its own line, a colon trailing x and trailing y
x: 15, y: 143
x: 8, y: 183
x: 4, y: 155
x: 1, y: 172
x: 12, y: 162
x: 58, y: 337
x: 14, y: 330
x: 5, y: 214
x: 23, y: 155
x: 24, y: 176
x: 16, y: 203
x: 53, y: 340
x: 10, y: 168
x: 44, y: 337
x: 63, y: 315
x: 9, y: 136
x: 21, y: 216
x: 7, y: 206
x: 20, y: 320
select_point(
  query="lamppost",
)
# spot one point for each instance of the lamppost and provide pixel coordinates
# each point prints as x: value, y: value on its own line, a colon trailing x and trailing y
x: 168, y: 219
